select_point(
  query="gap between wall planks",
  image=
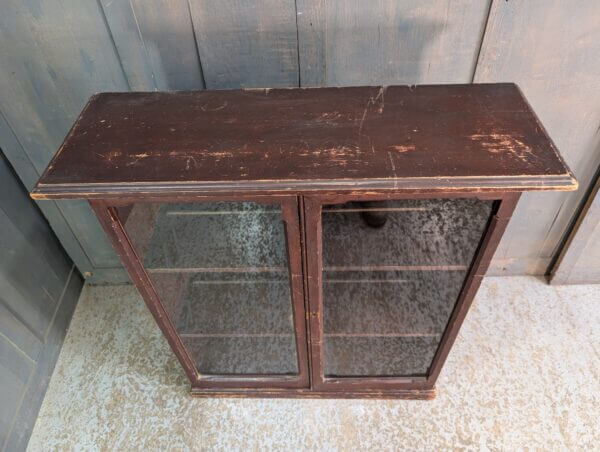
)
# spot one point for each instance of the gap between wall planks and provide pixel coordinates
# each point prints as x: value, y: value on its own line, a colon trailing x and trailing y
x: 579, y: 260
x: 48, y: 73
x: 553, y: 64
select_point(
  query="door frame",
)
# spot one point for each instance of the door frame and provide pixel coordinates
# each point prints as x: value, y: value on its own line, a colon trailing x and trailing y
x: 501, y: 213
x: 106, y: 211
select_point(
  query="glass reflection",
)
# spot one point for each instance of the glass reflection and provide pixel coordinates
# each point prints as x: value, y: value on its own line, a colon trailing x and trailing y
x: 221, y: 271
x: 393, y: 271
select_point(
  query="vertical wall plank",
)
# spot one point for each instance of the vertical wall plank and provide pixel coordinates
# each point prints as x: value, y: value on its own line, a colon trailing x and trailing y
x: 156, y: 43
x: 54, y: 55
x: 579, y: 262
x: 550, y: 48
x: 353, y: 42
x: 29, y: 176
x: 23, y: 214
x: 40, y: 377
x: 127, y: 36
x: 247, y: 43
x: 17, y: 333
x: 168, y: 35
x: 30, y: 286
x: 15, y: 369
x: 38, y: 291
x: 312, y: 41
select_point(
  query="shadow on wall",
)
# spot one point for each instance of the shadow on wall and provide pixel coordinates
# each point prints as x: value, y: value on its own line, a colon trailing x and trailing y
x: 379, y: 51
x: 352, y: 44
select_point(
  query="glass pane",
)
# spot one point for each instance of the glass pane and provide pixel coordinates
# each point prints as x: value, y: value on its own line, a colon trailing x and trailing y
x: 392, y: 274
x: 221, y: 271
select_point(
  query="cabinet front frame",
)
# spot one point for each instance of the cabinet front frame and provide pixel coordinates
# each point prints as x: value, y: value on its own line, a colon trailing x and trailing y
x: 505, y: 202
x: 302, y: 216
x: 106, y: 211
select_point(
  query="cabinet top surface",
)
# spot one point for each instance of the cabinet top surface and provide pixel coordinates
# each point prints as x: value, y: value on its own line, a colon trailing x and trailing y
x: 435, y: 137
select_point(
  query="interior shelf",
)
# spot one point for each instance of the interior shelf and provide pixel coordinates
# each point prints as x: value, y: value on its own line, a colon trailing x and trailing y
x: 425, y: 234
x: 418, y: 235
x: 218, y: 270
x: 254, y: 306
x: 380, y: 356
x: 243, y: 355
x: 389, y: 304
x: 359, y: 304
x: 231, y: 325
x: 209, y: 237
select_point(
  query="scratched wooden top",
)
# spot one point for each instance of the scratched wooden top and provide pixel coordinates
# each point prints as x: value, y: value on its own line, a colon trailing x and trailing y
x: 470, y: 137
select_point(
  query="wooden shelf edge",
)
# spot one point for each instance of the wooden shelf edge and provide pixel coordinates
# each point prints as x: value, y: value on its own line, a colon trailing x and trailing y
x: 347, y: 268
x: 564, y: 182
x: 406, y: 394
x: 270, y: 335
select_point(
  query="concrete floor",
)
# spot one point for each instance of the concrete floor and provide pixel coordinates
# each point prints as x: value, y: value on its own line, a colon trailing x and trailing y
x: 524, y: 373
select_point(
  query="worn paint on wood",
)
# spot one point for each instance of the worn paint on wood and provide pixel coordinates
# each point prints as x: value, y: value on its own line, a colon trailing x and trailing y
x: 444, y: 136
x: 555, y: 63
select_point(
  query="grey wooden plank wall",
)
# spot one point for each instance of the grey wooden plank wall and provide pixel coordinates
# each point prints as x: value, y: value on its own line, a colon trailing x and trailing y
x: 55, y: 53
x: 579, y: 262
x: 556, y: 63
x: 39, y: 287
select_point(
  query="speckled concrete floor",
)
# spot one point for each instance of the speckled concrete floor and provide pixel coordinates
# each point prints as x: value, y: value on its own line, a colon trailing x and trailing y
x: 525, y: 373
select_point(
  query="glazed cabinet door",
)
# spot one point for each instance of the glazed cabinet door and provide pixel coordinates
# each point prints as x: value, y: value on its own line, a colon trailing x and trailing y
x: 224, y: 281
x: 385, y: 276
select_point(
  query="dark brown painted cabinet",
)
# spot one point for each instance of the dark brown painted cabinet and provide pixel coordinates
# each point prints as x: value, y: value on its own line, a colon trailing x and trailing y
x: 308, y: 242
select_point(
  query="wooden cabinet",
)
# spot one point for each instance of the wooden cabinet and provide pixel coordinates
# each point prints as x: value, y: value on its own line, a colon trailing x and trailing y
x: 308, y: 242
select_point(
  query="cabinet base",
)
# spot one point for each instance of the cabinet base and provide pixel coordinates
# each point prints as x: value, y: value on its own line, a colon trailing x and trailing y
x: 421, y: 394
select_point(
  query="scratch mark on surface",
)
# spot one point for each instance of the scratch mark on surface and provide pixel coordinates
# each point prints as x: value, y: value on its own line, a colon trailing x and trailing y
x: 111, y: 155
x: 380, y: 95
x: 220, y: 154
x: 404, y: 148
x: 372, y: 101
x: 362, y: 120
x: 497, y: 143
x: 137, y: 158
x: 188, y: 160
x: 328, y: 116
x: 334, y: 152
x: 220, y: 107
x: 391, y: 158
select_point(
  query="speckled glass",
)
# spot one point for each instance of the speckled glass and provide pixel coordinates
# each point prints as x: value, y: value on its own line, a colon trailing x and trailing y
x: 393, y: 271
x: 221, y: 272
